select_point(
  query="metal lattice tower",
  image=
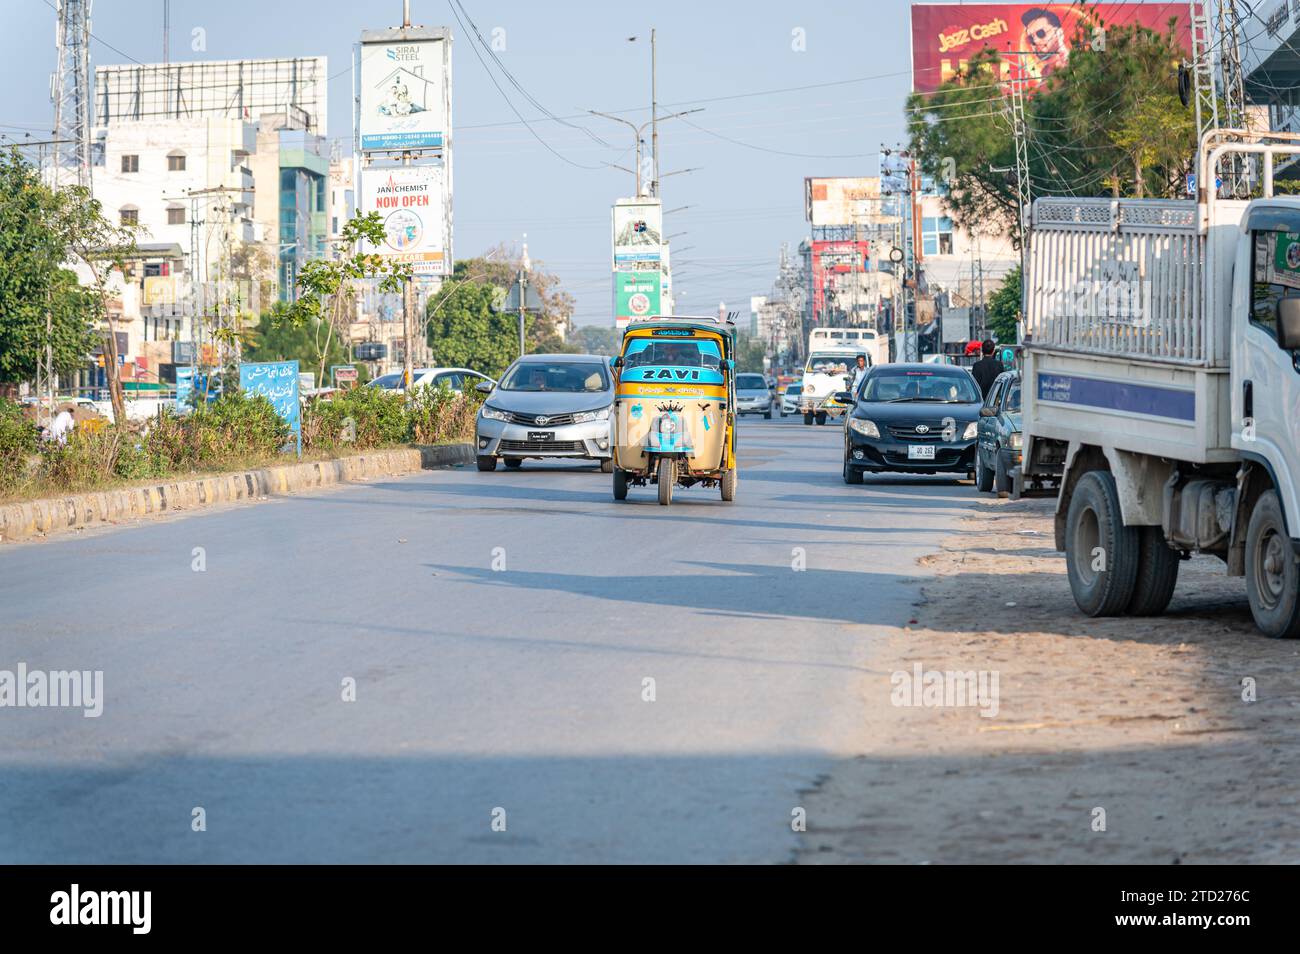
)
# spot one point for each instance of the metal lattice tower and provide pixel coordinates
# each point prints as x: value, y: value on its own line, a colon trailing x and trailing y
x: 1203, y: 93
x: 1234, y: 90
x: 71, y: 93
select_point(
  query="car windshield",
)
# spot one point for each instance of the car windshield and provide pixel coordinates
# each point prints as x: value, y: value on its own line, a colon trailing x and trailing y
x: 566, y: 376
x: 839, y: 363
x: 388, y: 381
x: 920, y: 386
x: 1013, y: 398
x: 750, y: 382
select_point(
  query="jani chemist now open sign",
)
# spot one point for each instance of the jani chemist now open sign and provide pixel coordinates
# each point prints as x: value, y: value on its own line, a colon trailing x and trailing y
x: 412, y: 203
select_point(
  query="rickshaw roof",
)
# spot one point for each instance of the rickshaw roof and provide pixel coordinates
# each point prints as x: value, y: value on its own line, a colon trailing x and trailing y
x: 702, y: 323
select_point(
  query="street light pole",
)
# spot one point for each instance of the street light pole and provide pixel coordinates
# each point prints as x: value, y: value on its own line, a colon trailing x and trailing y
x: 408, y: 283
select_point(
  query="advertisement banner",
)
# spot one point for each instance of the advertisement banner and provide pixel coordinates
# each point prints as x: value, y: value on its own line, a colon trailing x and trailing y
x: 637, y: 234
x: 413, y: 203
x: 636, y: 295
x: 184, y: 386
x: 1033, y: 39
x: 836, y: 265
x: 278, y: 382
x: 404, y: 91
x: 842, y: 200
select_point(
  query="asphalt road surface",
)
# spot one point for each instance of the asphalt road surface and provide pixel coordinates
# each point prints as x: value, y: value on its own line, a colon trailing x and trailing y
x: 500, y: 629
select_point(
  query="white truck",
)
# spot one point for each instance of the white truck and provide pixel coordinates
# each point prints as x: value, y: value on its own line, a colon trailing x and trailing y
x: 1162, y: 384
x: 832, y: 356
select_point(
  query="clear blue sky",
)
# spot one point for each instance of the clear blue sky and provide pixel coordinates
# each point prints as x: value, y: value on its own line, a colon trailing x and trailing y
x: 574, y: 56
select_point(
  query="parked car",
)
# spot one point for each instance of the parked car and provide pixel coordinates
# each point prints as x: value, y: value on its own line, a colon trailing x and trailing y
x: 458, y: 379
x: 753, y: 396
x: 547, y: 406
x: 790, y: 399
x: 919, y: 418
x: 999, y: 440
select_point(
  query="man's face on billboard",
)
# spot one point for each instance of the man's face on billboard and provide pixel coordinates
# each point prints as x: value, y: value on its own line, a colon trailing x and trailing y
x: 1045, y: 38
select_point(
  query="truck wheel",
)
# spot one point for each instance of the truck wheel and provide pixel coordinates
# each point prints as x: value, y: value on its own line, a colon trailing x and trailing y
x: 620, y: 484
x: 1101, y: 554
x: 807, y: 417
x: 983, y: 476
x: 486, y: 463
x: 728, y: 484
x: 821, y: 417
x: 1157, y: 573
x: 667, y: 472
x: 607, y: 466
x: 767, y: 415
x: 1272, y: 577
x: 1001, y: 479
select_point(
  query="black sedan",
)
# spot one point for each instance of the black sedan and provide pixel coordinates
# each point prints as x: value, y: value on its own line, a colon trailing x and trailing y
x: 913, y: 418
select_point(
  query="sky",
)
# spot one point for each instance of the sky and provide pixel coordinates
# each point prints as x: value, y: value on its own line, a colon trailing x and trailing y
x: 773, y: 113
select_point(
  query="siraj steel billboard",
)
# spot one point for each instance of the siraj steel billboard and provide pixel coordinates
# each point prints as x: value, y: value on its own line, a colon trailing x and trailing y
x: 1033, y: 38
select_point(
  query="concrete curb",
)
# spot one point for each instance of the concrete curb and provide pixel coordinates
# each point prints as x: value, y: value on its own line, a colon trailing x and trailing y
x: 22, y: 521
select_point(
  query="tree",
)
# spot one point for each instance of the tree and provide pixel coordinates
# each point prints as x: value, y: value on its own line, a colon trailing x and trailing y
x: 749, y: 354
x: 275, y: 339
x: 34, y: 284
x: 598, y: 339
x: 325, y: 285
x: 466, y: 330
x: 1004, y: 307
x: 1108, y: 119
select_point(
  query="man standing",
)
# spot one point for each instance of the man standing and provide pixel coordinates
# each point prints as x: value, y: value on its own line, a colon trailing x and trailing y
x: 62, y: 426
x: 859, y: 372
x: 987, y: 368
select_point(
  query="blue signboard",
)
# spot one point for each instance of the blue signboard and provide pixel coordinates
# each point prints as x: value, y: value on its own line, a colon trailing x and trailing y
x: 1152, y: 400
x: 184, y: 387
x: 278, y: 382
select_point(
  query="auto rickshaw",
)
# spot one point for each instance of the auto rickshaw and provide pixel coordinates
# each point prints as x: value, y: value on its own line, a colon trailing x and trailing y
x: 674, y: 417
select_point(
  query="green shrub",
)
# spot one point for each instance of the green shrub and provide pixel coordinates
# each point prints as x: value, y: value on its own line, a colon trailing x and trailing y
x: 17, y: 443
x: 379, y: 417
x: 440, y: 415
x: 87, y: 460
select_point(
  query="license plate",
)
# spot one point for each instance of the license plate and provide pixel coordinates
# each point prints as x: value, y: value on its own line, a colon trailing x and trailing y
x: 920, y: 452
x: 541, y: 435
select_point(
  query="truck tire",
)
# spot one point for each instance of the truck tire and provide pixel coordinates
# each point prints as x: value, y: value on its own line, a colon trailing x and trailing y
x: 485, y: 463
x: 728, y: 484
x: 807, y: 417
x: 620, y: 484
x: 1272, y: 573
x: 1101, y: 554
x: 607, y: 466
x: 821, y: 417
x: 667, y: 475
x: 1157, y: 574
x: 983, y: 476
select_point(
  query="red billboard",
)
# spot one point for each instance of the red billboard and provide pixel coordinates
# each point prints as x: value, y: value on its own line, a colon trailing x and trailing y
x: 836, y: 266
x: 1033, y: 38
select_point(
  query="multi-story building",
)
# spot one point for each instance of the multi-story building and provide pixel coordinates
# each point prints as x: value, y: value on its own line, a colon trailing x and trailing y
x: 292, y: 170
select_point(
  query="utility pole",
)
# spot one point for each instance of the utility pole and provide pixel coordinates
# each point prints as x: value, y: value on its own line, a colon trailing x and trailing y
x: 408, y: 283
x: 524, y: 266
x: 167, y: 30
x: 654, y: 119
x: 1237, y: 179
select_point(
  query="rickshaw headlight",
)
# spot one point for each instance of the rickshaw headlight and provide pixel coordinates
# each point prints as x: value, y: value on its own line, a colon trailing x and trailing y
x: 667, y: 425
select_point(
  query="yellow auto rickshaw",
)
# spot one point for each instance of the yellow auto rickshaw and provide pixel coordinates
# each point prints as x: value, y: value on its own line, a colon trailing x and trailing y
x: 674, y: 420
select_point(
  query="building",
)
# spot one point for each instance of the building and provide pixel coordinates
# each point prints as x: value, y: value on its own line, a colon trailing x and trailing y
x: 1270, y: 62
x: 342, y: 199
x: 291, y: 169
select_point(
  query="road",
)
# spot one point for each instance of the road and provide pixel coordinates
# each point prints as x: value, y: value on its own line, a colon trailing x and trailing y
x: 516, y: 686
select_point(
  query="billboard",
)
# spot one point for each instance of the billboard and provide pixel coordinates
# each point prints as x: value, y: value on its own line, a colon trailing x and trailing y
x: 636, y: 295
x: 842, y: 200
x: 637, y: 234
x: 1033, y: 38
x: 837, y: 266
x: 413, y: 202
x: 405, y: 89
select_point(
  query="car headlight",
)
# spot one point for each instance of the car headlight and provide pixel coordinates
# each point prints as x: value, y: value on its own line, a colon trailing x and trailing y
x: 494, y: 414
x: 863, y: 427
x: 586, y: 417
x: 972, y: 431
x: 1017, y: 440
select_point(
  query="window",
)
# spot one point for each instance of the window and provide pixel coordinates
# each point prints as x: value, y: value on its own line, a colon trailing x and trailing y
x: 1276, y: 276
x: 176, y: 162
x: 936, y: 235
x: 129, y: 215
x: 175, y: 215
x: 130, y: 163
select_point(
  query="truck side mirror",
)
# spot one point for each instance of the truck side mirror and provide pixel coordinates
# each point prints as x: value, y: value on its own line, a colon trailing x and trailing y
x: 1288, y: 324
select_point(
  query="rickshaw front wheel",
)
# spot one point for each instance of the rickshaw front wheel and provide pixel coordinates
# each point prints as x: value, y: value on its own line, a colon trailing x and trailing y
x: 620, y: 484
x: 667, y: 475
x: 728, y: 484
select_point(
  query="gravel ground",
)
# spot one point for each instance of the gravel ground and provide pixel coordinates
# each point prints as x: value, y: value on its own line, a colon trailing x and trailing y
x: 1143, y: 719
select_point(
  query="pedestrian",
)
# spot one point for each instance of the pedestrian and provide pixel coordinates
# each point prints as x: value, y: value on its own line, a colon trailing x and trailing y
x: 62, y: 426
x: 987, y: 368
x: 859, y: 372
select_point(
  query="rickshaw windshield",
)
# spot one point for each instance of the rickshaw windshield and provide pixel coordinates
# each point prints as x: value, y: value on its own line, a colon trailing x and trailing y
x: 701, y: 355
